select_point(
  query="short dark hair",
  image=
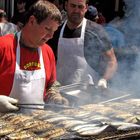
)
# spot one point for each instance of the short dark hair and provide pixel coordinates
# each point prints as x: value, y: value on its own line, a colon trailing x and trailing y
x: 21, y: 1
x: 3, y: 15
x: 87, y: 1
x: 43, y: 9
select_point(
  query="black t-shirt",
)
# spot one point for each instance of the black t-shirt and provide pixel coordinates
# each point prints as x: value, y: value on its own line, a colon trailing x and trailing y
x: 95, y: 41
x: 18, y: 17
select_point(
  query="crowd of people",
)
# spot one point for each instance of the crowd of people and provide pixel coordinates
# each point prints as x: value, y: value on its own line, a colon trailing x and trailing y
x: 54, y: 44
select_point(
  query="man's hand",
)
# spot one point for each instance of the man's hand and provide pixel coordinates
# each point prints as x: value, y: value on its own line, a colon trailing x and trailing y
x: 53, y: 95
x: 57, y: 99
x: 7, y: 104
x: 102, y: 83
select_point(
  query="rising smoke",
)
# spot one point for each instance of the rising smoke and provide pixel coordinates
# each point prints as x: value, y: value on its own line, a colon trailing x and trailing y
x: 129, y: 65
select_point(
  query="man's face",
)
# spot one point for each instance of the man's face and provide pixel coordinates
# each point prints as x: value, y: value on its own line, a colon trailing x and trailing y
x: 76, y: 10
x: 20, y: 6
x: 44, y: 31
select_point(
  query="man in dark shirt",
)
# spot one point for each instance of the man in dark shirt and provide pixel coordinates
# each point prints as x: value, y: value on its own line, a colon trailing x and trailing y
x: 79, y: 45
x: 19, y: 16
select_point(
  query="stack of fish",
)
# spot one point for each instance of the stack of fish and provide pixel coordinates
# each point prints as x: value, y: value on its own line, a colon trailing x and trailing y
x: 95, y: 119
x: 19, y: 126
x: 92, y: 121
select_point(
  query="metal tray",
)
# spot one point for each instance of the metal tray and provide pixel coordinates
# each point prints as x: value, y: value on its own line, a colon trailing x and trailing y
x: 81, y: 94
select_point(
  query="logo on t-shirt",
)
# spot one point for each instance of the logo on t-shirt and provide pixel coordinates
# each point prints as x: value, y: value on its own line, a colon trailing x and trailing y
x: 32, y: 66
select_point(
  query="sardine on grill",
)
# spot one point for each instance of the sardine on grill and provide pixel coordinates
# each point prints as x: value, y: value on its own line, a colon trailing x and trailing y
x: 135, y: 102
x: 128, y: 126
x: 42, y: 127
x: 83, y: 114
x: 134, y: 119
x: 74, y: 112
x: 117, y: 124
x: 91, y: 106
x: 7, y: 129
x: 30, y: 124
x: 46, y: 116
x: 3, y: 123
x: 55, y: 132
x: 70, y: 123
x: 16, y: 119
x: 120, y: 115
x: 80, y: 126
x: 6, y: 116
x: 96, y: 130
x: 97, y: 118
x: 20, y: 135
x: 58, y: 119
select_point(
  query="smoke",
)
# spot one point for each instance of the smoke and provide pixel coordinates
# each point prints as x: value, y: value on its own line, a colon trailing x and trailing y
x: 128, y: 74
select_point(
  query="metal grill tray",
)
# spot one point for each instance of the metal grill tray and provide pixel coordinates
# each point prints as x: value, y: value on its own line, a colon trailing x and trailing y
x: 80, y: 94
x: 128, y: 135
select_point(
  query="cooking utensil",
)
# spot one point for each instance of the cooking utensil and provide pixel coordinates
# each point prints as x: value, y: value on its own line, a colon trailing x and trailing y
x: 114, y: 99
x: 43, y: 106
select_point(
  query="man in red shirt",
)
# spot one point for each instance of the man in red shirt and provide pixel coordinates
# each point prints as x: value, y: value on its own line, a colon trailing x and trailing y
x: 27, y: 63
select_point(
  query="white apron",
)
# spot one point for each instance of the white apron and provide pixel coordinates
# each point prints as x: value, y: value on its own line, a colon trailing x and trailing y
x: 72, y: 66
x: 28, y: 86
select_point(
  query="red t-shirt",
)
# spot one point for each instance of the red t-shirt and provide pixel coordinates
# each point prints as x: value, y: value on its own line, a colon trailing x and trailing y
x: 29, y: 60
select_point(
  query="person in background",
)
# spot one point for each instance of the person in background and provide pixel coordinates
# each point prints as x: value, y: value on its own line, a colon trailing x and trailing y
x: 116, y: 37
x: 60, y: 6
x: 78, y: 45
x: 5, y: 26
x: 92, y: 13
x: 101, y: 20
x: 117, y: 40
x: 27, y: 63
x: 20, y: 14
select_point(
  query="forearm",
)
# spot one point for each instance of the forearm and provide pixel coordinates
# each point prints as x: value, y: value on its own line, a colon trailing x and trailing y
x: 110, y: 70
x: 53, y: 89
x: 53, y: 95
x: 111, y: 65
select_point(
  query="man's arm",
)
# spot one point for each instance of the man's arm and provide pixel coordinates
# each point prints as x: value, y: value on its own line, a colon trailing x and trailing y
x: 110, y: 68
x: 111, y: 64
x: 53, y: 95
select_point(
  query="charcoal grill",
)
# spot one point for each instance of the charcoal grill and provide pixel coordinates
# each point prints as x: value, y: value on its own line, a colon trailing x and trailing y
x: 89, y: 112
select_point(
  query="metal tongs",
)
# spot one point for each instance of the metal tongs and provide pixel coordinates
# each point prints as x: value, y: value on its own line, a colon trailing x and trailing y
x: 115, y: 99
x: 30, y: 106
x: 43, y: 106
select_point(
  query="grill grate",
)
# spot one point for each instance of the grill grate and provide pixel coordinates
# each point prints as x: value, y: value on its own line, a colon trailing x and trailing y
x: 133, y: 135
